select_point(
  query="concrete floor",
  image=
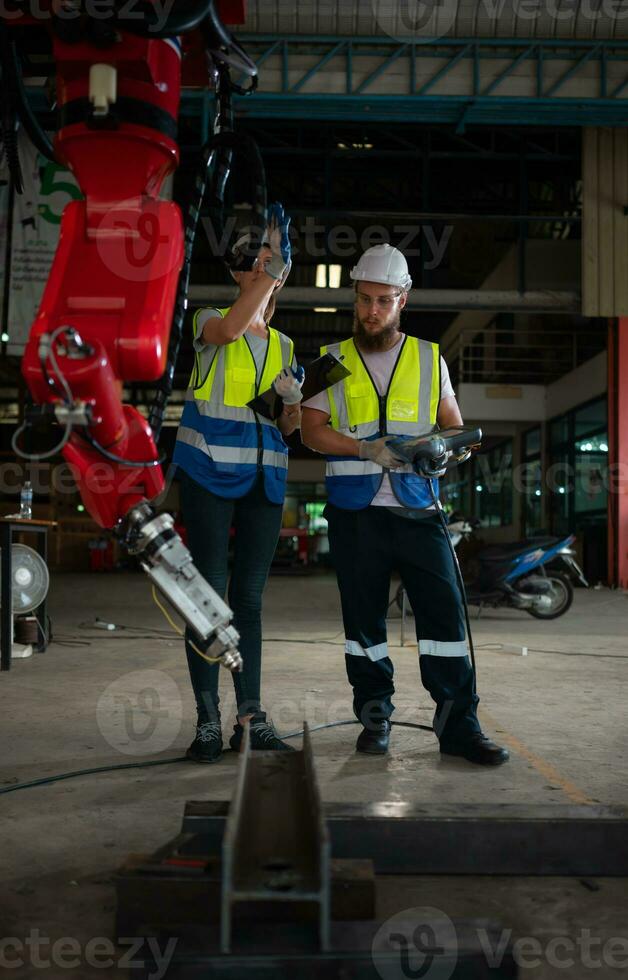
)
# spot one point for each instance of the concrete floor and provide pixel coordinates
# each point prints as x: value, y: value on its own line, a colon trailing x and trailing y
x: 118, y: 697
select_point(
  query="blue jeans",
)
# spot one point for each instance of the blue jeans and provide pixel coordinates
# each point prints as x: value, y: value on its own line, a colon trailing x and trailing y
x: 208, y: 520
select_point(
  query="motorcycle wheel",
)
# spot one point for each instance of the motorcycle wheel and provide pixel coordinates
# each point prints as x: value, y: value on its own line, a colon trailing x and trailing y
x: 561, y: 600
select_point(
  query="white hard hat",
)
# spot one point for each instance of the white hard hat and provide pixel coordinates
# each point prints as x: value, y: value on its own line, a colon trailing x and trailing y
x: 385, y: 264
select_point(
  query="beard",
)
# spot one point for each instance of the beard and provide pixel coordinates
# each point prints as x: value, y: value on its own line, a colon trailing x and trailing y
x: 380, y: 341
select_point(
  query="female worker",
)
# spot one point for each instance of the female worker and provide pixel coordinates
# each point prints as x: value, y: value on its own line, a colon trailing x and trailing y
x: 232, y: 466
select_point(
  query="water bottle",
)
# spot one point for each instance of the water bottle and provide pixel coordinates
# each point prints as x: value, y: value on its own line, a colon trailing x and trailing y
x: 26, y: 501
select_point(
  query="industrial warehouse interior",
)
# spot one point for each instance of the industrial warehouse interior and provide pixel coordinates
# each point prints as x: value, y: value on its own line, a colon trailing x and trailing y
x: 313, y: 489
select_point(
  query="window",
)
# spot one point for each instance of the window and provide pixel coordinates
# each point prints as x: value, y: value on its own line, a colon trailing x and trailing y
x: 456, y: 495
x: 590, y: 418
x: 492, y: 489
x: 577, y: 475
x: 532, y: 442
x: 532, y: 482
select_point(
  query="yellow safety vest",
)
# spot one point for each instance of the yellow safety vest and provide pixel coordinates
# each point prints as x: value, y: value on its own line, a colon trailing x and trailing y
x: 409, y: 408
x: 221, y: 443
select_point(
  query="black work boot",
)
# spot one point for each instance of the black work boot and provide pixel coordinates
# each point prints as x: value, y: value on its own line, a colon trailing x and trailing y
x: 207, y: 744
x: 374, y: 739
x: 263, y: 736
x: 478, y: 748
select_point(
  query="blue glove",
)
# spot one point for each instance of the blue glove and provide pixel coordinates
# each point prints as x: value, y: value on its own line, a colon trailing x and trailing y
x: 279, y: 242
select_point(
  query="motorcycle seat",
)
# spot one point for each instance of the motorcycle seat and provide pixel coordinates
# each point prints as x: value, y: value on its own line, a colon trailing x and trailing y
x: 503, y: 552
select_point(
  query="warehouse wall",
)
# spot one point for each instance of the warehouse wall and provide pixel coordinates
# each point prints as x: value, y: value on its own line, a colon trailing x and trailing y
x: 605, y: 222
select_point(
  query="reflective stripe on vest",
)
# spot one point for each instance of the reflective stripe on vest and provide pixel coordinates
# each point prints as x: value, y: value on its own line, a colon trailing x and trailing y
x: 409, y: 408
x: 221, y: 443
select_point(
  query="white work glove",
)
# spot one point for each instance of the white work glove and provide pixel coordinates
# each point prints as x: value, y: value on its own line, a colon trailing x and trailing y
x: 288, y: 385
x: 377, y: 451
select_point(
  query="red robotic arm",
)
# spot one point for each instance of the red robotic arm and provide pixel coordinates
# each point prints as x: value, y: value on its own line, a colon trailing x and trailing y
x: 107, y: 309
x: 115, y: 273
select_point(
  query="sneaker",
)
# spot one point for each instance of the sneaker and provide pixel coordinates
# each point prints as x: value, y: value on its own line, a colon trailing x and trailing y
x: 207, y: 744
x: 263, y: 737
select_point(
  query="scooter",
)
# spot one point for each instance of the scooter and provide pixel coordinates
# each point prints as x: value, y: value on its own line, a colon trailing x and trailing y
x: 523, y: 574
x: 566, y: 556
x: 513, y: 575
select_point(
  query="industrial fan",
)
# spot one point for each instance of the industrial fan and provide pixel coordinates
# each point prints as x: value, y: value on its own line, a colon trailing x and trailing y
x: 30, y: 582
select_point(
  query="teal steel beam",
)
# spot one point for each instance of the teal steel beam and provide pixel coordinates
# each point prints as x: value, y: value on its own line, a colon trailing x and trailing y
x: 284, y: 67
x: 267, y: 53
x: 380, y: 41
x: 584, y: 60
x: 620, y: 88
x: 380, y: 69
x: 260, y: 59
x: 332, y: 53
x: 540, y: 60
x: 453, y: 50
x: 461, y: 125
x: 526, y: 53
x: 456, y: 110
x: 443, y: 71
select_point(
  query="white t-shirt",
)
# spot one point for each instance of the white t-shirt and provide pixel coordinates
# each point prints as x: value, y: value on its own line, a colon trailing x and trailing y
x: 380, y: 365
x: 256, y: 343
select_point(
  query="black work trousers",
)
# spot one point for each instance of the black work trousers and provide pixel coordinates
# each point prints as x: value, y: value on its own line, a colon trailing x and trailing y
x: 257, y: 522
x: 366, y: 547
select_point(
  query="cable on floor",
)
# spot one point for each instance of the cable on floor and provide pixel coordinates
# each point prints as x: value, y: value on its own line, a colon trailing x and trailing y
x: 47, y: 780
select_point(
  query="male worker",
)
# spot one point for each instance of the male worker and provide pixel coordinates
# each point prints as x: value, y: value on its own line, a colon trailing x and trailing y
x: 381, y: 514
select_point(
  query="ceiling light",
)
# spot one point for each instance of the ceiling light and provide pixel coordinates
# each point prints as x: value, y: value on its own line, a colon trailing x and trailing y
x: 325, y: 309
x: 334, y: 272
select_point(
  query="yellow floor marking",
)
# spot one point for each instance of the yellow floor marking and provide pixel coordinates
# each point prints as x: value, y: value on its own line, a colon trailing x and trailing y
x: 545, y: 768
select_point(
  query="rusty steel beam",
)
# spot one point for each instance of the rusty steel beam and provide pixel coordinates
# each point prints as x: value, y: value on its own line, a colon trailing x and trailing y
x: 276, y: 849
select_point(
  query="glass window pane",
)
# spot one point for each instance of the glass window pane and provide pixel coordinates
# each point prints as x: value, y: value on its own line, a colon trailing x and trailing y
x: 593, y: 444
x: 456, y: 496
x: 590, y: 479
x: 590, y: 417
x: 493, y: 489
x: 559, y: 430
x: 532, y: 442
x: 533, y: 497
x: 560, y: 483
